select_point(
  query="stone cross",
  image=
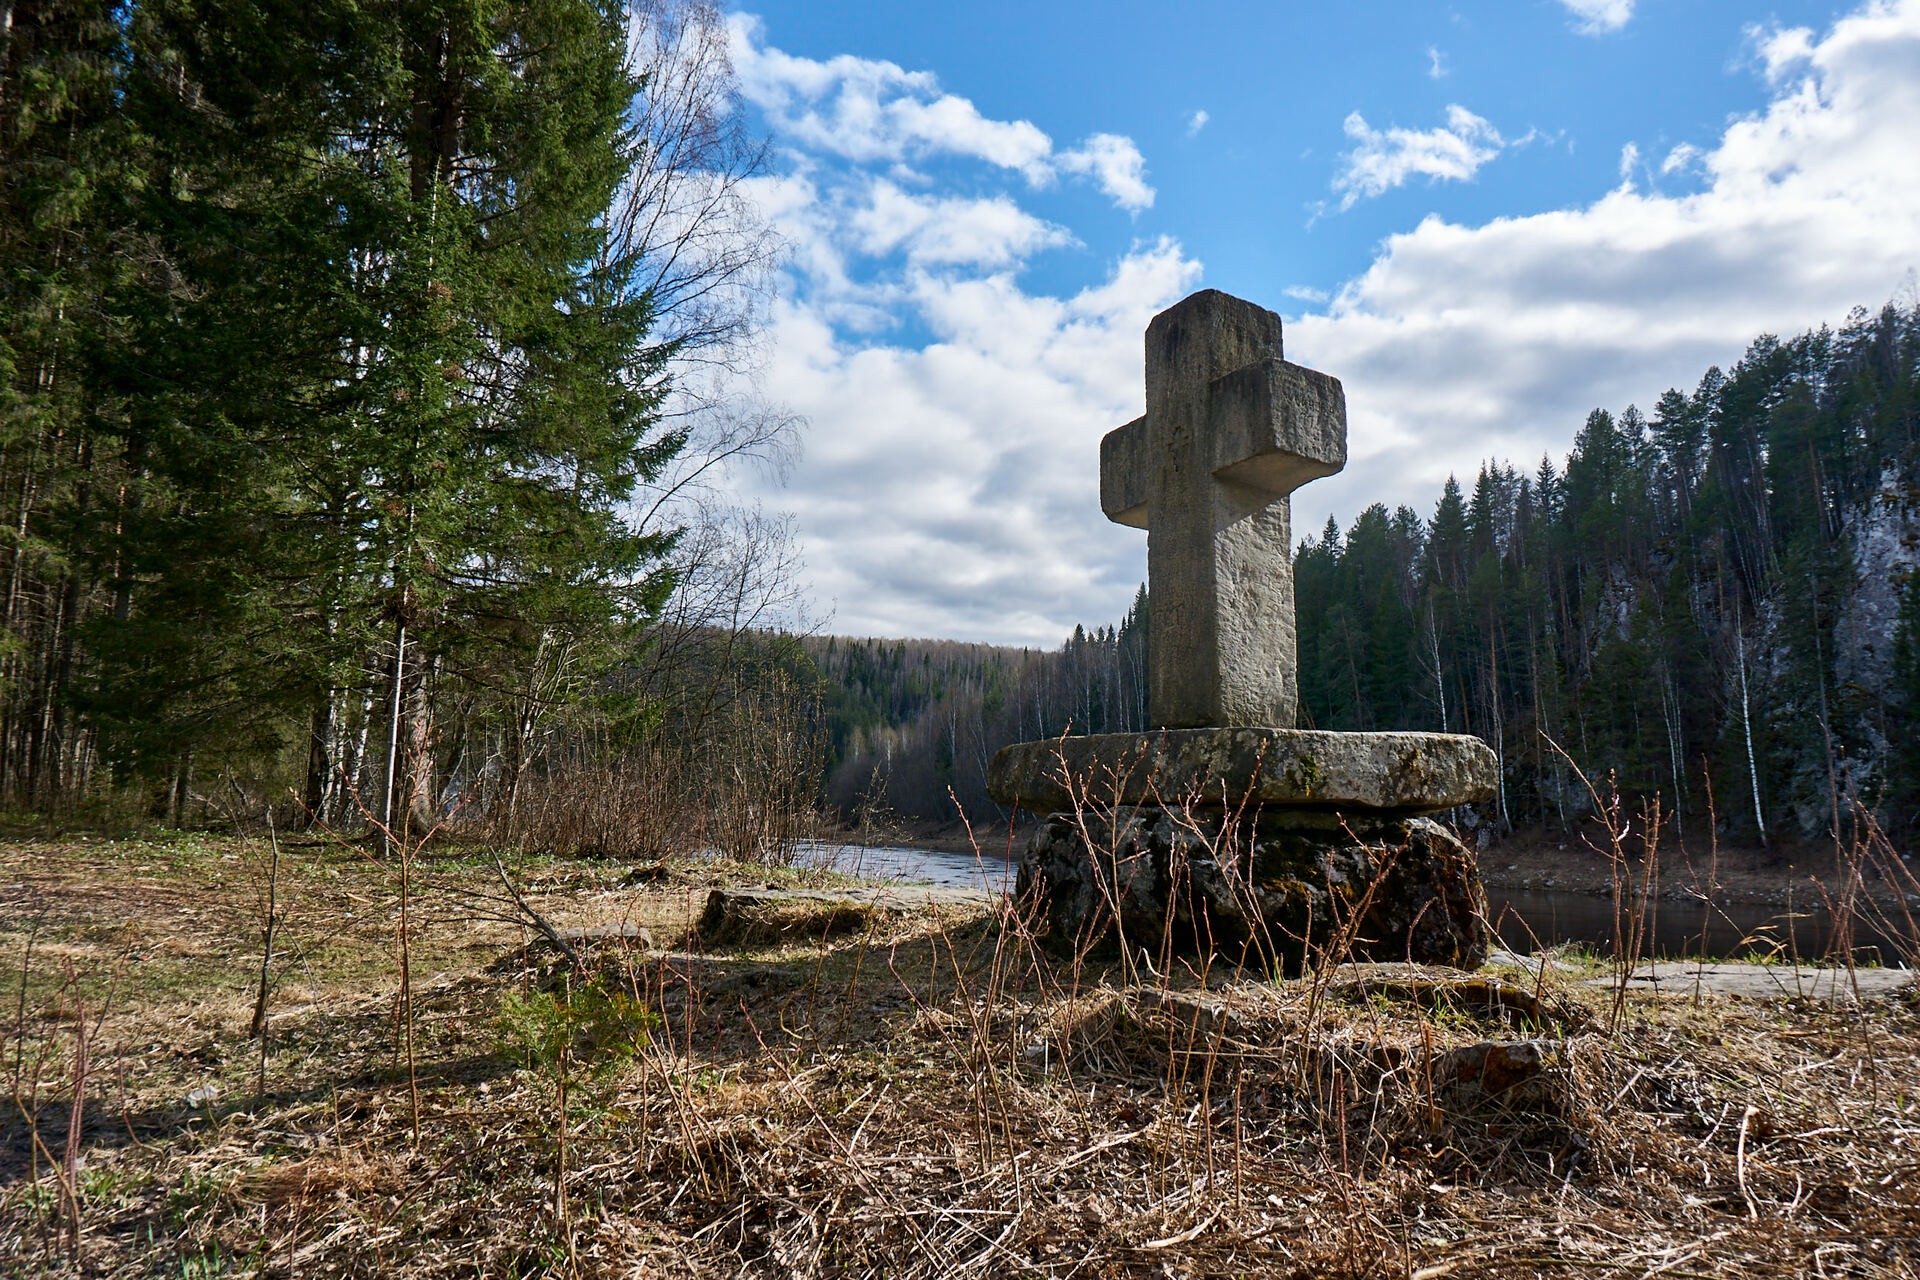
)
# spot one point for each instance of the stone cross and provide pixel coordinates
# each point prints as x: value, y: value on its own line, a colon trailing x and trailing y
x: 1231, y: 429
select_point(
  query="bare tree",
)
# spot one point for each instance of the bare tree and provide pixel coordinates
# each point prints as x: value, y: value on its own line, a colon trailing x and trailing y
x: 685, y: 215
x: 706, y: 255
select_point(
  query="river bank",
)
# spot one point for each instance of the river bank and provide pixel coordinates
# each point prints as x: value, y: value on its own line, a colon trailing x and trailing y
x: 1778, y: 903
x: 910, y: 1092
x: 1788, y: 875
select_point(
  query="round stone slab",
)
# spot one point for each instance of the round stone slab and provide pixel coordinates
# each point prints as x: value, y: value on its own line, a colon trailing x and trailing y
x: 1404, y: 773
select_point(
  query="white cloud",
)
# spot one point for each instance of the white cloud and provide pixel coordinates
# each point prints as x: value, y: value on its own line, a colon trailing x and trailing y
x: 1782, y: 50
x: 938, y: 231
x: 1682, y: 158
x: 947, y: 478
x: 952, y: 488
x: 1598, y: 17
x: 867, y: 110
x: 1196, y: 122
x: 1629, y: 161
x: 1116, y: 165
x: 1436, y: 63
x: 870, y: 111
x: 950, y: 481
x: 1466, y: 342
x: 1385, y: 159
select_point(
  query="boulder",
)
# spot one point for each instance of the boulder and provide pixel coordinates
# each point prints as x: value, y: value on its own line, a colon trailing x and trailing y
x: 1500, y: 1077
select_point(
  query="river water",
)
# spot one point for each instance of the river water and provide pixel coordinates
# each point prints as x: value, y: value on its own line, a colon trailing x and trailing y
x: 1526, y: 920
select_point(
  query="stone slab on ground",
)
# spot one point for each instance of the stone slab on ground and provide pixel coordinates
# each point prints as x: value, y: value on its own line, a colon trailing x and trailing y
x: 1490, y: 1083
x: 744, y: 916
x: 892, y: 897
x: 624, y: 934
x: 1440, y: 989
x: 1396, y: 773
x: 1764, y: 981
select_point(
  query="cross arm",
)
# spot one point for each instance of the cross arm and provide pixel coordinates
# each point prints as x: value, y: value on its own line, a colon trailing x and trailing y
x: 1124, y: 472
x: 1274, y: 426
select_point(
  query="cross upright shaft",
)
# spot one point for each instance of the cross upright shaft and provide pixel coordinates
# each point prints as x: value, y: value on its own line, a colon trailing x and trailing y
x: 1230, y: 430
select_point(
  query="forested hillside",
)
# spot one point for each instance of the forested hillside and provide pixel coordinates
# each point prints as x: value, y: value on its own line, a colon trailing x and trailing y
x: 1712, y: 601
x: 911, y: 724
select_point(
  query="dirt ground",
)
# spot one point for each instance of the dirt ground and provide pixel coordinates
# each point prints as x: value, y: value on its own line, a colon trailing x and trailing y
x: 911, y: 1094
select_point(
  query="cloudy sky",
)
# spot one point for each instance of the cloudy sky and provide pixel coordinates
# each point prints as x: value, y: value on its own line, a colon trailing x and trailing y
x: 1485, y: 217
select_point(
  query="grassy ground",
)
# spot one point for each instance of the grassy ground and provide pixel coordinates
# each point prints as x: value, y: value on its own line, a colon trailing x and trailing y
x: 928, y: 1096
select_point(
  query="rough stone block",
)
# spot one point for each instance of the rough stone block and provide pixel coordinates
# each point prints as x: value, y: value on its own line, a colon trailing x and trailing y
x: 1276, y: 426
x: 1500, y: 1077
x: 1230, y: 430
x: 1253, y: 891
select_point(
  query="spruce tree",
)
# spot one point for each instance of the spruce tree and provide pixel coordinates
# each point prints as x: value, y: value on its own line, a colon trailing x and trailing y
x: 62, y: 154
x: 392, y: 387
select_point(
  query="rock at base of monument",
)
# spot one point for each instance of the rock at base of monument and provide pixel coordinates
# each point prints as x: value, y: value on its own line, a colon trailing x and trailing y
x: 1254, y: 891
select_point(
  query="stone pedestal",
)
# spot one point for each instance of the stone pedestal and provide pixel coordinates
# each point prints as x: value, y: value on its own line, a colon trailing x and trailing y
x: 1270, y: 847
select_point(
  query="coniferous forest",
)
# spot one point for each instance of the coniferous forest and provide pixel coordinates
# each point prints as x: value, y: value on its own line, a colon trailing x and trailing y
x: 336, y: 347
x: 1712, y: 602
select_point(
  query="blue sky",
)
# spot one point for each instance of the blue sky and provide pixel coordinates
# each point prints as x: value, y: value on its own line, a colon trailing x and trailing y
x: 1485, y: 218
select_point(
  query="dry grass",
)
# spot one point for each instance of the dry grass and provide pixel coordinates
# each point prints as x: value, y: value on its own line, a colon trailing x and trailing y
x: 939, y: 1098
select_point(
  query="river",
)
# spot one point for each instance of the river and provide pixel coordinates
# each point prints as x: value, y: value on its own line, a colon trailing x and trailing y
x: 1526, y: 920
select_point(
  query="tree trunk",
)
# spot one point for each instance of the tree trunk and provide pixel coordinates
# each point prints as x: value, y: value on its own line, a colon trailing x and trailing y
x: 1746, y: 726
x: 182, y: 790
x: 320, y: 751
x: 422, y: 794
x: 396, y: 683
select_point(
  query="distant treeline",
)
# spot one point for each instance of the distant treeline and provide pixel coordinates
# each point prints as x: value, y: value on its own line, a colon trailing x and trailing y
x: 1712, y: 602
x: 911, y: 724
